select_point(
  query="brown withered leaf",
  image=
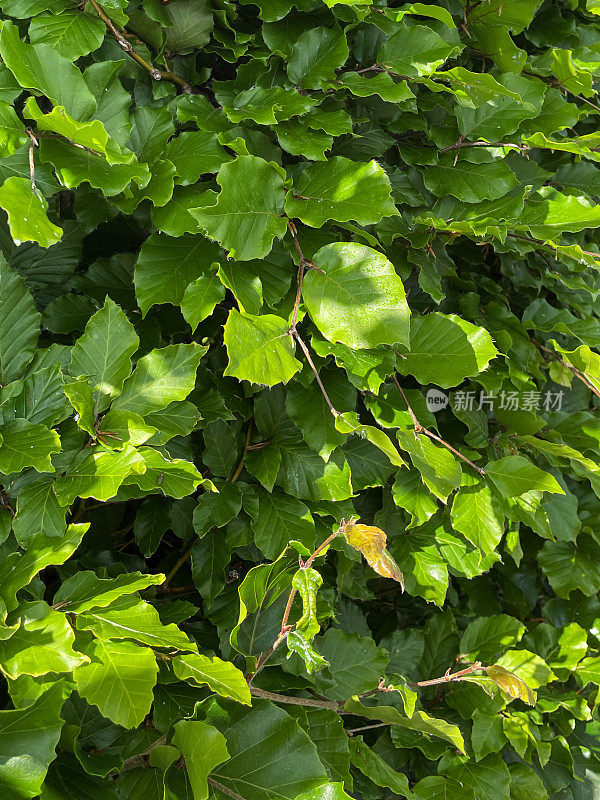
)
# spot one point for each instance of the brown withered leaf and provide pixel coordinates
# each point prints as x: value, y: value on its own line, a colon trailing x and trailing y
x: 371, y: 542
x: 511, y: 684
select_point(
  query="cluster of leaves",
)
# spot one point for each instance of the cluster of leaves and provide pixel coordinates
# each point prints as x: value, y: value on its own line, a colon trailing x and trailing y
x: 241, y: 241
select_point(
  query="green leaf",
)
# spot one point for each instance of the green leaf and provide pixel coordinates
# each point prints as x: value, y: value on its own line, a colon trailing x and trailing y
x: 161, y: 377
x: 84, y: 590
x: 263, y: 587
x: 247, y: 215
x: 569, y: 567
x: 25, y: 444
x: 375, y: 768
x: 268, y: 751
x: 38, y: 510
x: 309, y: 410
x: 553, y: 213
x: 19, y: 324
x: 307, y: 582
x: 487, y: 637
x: 12, y: 135
x: 470, y: 182
x: 26, y: 211
x: 297, y: 138
x: 243, y: 284
x: 415, y: 50
x: 194, y: 154
x: 445, y: 349
x: 515, y: 475
x: 355, y: 664
x: 174, y: 217
x: 476, y: 515
x: 103, y: 352
x: 17, y: 569
x: 97, y: 472
x: 315, y: 56
x: 119, y: 680
x: 438, y: 788
x: 200, y: 298
x: 42, y: 643
x: 166, y: 266
x: 439, y: 468
x: 409, y: 492
x: 356, y: 297
x: 280, y: 519
x: 190, y: 25
x: 329, y: 791
x: 28, y: 738
x: 177, y: 419
x: 381, y: 84
x: 75, y: 166
x: 132, y: 618
x: 42, y: 67
x: 217, y: 509
x: 220, y: 676
x: 260, y: 348
x: 91, y: 135
x: 425, y: 571
x: 305, y: 475
x: 266, y: 106
x: 341, y: 190
x: 203, y: 748
x: 71, y: 33
x: 420, y: 721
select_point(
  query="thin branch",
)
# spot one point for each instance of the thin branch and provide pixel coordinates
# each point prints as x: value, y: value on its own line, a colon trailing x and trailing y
x: 33, y: 143
x: 322, y: 547
x: 460, y: 144
x: 139, y: 760
x: 224, y: 789
x: 450, y: 676
x: 285, y: 626
x: 176, y: 589
x: 308, y: 702
x: 240, y: 466
x: 177, y: 566
x: 420, y: 429
x: 119, y: 36
x: 351, y: 731
x: 539, y: 242
x: 306, y: 352
x: 578, y: 374
x: 305, y: 263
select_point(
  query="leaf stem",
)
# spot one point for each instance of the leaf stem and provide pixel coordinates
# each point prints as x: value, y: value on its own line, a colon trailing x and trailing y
x: 305, y: 263
x: 581, y: 375
x: 33, y: 143
x: 420, y: 429
x: 177, y: 566
x: 450, y: 676
x: 285, y: 626
x: 460, y: 144
x: 308, y: 702
x: 240, y: 466
x: 224, y: 789
x: 120, y: 38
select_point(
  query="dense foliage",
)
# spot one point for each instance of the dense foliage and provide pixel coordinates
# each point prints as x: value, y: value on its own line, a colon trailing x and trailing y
x: 299, y: 431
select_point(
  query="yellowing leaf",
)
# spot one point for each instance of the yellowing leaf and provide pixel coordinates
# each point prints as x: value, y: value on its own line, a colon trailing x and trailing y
x: 511, y: 684
x: 371, y: 542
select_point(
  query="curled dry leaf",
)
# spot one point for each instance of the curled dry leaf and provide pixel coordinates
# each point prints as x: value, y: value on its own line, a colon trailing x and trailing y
x: 371, y: 542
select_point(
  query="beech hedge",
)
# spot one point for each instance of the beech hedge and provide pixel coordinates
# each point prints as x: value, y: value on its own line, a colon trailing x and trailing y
x: 299, y: 391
